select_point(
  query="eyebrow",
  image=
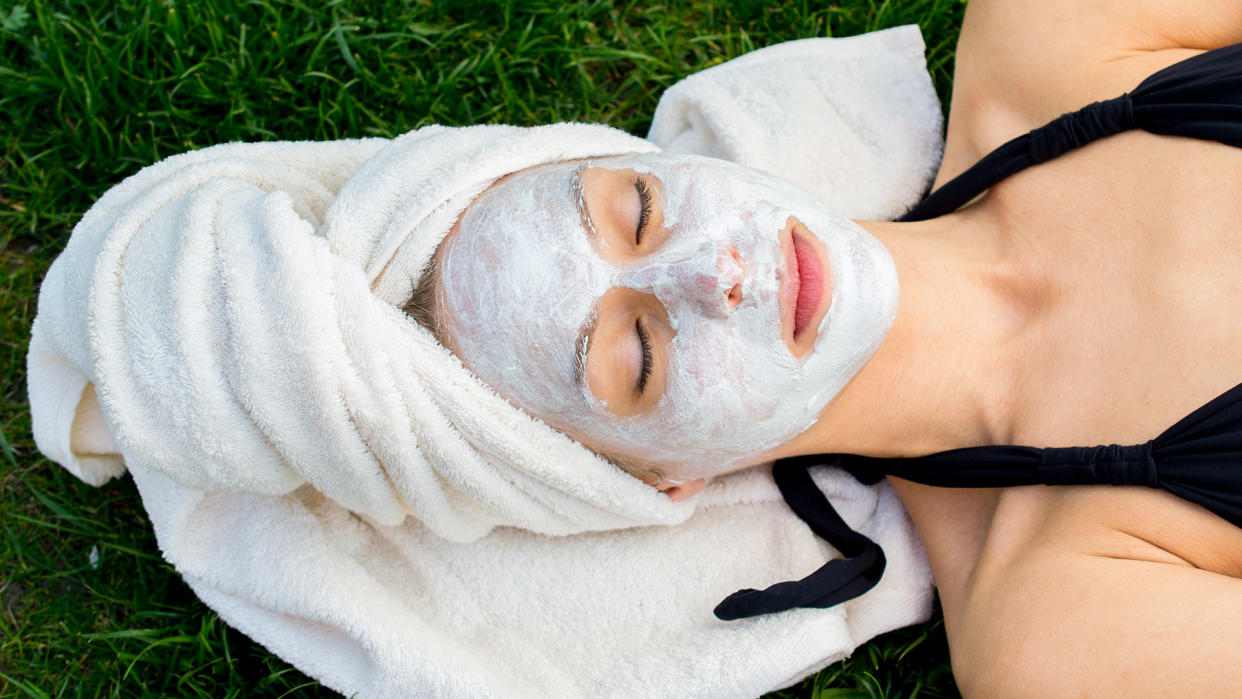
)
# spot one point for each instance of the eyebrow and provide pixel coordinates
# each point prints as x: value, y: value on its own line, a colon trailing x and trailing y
x: 583, y: 343
x: 579, y: 196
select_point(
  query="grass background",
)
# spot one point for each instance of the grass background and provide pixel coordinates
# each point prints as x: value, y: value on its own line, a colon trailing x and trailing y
x: 92, y: 91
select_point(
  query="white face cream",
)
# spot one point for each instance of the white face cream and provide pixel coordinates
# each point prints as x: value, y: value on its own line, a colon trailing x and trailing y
x: 521, y: 277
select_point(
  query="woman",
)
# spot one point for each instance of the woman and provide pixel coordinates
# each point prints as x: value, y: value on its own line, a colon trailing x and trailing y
x: 1084, y: 301
x: 1006, y: 315
x: 225, y: 326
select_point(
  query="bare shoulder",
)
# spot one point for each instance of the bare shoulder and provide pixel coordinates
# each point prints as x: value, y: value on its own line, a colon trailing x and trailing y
x: 1089, y: 601
x: 1021, y: 63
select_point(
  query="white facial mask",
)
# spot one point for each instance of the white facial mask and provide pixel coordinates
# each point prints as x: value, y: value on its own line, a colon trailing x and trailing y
x: 520, y: 277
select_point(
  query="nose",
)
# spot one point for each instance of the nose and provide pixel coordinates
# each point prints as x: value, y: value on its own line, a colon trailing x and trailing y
x: 733, y: 273
x: 711, y: 277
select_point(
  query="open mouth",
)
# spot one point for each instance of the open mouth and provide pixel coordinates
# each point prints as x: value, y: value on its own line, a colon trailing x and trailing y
x: 804, y: 287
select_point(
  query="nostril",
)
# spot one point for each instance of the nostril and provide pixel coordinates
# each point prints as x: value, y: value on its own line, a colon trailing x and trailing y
x: 734, y: 296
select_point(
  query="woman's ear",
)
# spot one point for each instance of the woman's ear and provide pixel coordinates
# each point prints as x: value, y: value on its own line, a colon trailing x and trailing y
x: 681, y: 491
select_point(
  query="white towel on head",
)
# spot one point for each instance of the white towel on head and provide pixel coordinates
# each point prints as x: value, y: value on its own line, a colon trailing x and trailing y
x: 336, y: 485
x: 232, y: 346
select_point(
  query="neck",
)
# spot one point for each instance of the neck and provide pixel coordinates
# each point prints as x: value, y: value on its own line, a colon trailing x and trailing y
x: 944, y: 377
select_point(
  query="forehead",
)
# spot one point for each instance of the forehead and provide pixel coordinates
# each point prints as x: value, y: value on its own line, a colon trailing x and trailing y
x: 524, y: 235
x: 517, y: 280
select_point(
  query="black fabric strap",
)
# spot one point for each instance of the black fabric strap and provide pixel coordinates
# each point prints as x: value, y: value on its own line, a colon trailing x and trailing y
x: 1198, y: 459
x: 836, y: 581
x: 1200, y: 97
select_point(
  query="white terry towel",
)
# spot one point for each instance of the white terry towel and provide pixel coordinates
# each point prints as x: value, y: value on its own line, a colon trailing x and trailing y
x: 339, y: 487
x: 856, y: 124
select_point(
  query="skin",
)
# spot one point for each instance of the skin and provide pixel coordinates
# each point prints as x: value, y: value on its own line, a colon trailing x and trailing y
x: 1039, y: 316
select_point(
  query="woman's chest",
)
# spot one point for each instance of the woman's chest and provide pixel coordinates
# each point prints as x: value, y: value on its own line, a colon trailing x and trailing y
x: 1136, y: 241
x: 1141, y: 237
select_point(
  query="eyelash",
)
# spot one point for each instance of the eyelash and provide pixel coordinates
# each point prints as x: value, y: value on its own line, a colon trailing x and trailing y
x: 644, y: 339
x: 644, y: 213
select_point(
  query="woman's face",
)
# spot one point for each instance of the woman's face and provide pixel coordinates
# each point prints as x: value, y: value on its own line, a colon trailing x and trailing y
x: 671, y: 312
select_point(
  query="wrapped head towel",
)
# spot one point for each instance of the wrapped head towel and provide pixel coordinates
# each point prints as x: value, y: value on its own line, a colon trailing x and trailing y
x: 224, y: 326
x: 220, y: 305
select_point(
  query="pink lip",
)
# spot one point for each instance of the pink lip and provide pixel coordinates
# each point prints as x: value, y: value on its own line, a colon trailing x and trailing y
x: 791, y: 288
x: 811, y: 283
x: 804, y: 285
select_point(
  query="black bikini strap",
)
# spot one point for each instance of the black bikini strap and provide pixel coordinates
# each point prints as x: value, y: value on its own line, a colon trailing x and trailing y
x: 836, y: 581
x: 1063, y: 134
x: 1200, y: 97
x: 1002, y: 466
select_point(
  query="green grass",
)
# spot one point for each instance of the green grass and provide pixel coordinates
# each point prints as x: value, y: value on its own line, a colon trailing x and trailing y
x: 92, y: 91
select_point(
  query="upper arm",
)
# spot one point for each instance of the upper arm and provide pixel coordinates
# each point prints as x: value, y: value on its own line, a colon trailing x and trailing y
x: 1060, y: 622
x: 1022, y: 63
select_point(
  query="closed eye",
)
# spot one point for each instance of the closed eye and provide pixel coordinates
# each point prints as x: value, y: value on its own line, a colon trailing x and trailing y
x: 644, y: 341
x: 644, y: 209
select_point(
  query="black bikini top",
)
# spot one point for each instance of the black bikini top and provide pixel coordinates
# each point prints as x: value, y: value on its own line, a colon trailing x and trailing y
x: 1197, y: 459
